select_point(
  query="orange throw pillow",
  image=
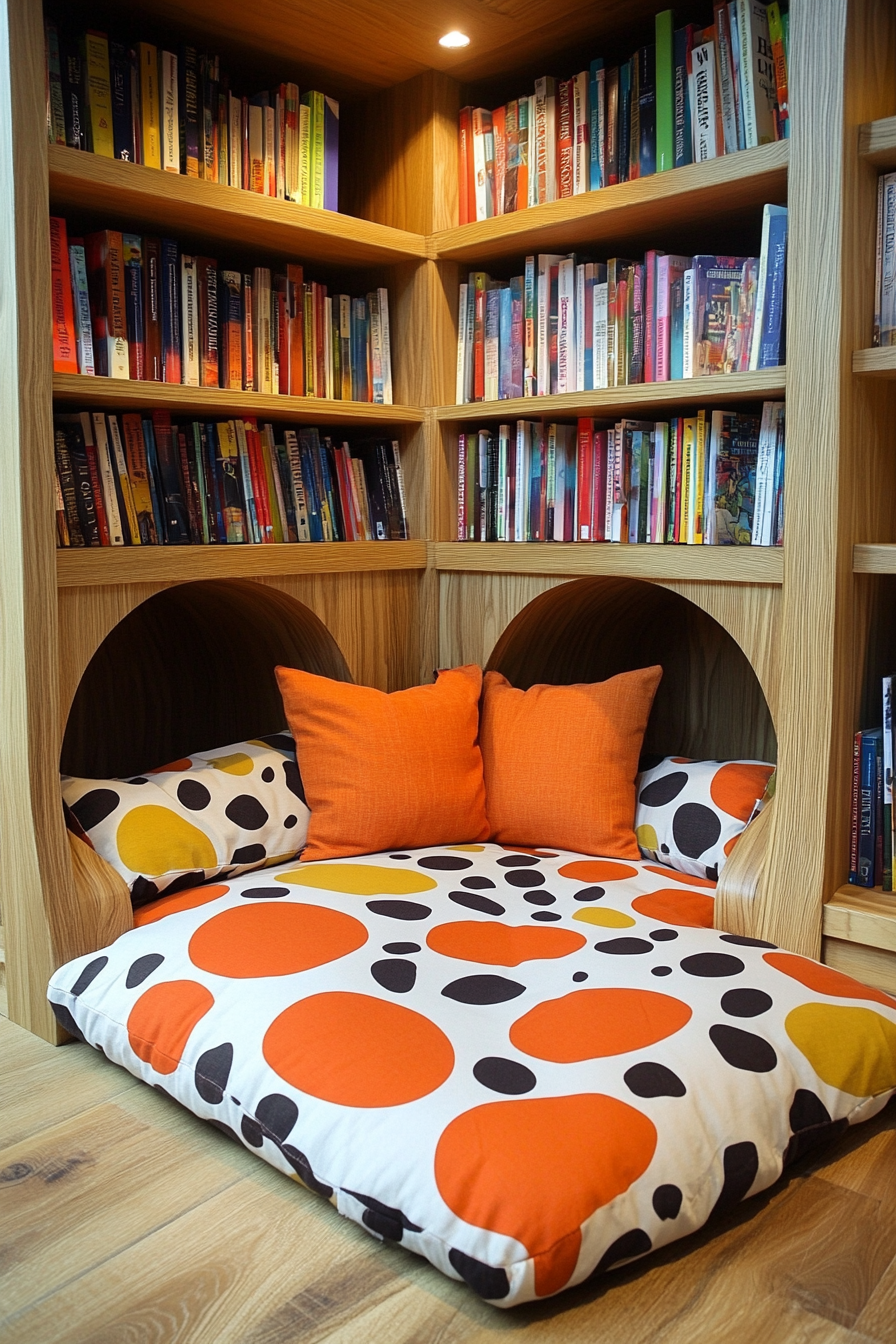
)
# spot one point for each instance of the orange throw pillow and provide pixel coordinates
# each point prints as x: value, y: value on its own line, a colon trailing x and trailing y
x: 387, y: 771
x: 560, y: 761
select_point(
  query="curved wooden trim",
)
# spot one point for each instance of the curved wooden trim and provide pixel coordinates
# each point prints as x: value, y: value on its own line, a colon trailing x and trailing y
x: 739, y: 894
x: 102, y: 894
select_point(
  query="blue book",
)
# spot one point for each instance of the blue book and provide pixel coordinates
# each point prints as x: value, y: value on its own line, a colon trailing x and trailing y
x: 772, y: 285
x: 308, y: 448
x: 132, y: 245
x: 536, y: 480
x: 171, y: 344
x: 505, y: 343
x: 647, y: 110
x: 623, y: 134
x: 155, y: 480
x: 492, y: 352
x: 681, y: 104
x: 120, y: 88
x: 872, y: 745
x: 359, y: 326
x: 596, y: 114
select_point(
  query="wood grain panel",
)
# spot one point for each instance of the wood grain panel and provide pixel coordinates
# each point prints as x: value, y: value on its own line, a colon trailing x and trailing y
x: 877, y: 142
x: 875, y: 362
x: 861, y: 916
x: 715, y: 564
x: 871, y: 965
x: 869, y: 558
x: 739, y: 886
x: 103, y: 893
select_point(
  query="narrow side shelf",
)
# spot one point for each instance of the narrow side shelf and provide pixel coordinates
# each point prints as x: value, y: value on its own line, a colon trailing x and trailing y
x: 130, y: 395
x: 877, y: 142
x: 706, y: 564
x: 719, y: 390
x: 877, y: 558
x: 862, y: 915
x: 724, y: 186
x: 877, y: 362
x: 178, y: 204
x: 101, y: 566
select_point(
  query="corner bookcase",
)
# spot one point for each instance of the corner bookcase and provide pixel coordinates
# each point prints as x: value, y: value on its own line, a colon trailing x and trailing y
x: 773, y: 647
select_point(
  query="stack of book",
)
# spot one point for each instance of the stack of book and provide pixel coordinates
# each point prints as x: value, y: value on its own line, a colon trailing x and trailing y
x: 885, y: 268
x: 569, y: 325
x: 145, y: 480
x: 176, y: 111
x: 705, y: 479
x: 126, y: 306
x: 694, y: 94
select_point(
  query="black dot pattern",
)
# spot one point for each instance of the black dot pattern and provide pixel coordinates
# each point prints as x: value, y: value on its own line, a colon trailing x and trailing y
x: 193, y: 795
x: 746, y: 1002
x: 483, y: 989
x: 471, y: 900
x: 142, y: 969
x: 212, y: 1072
x: 394, y: 974
x: 400, y: 909
x: 444, y: 863
x: 649, y: 1079
x: 667, y: 1201
x: 504, y: 1075
x: 490, y: 1282
x: 742, y: 1049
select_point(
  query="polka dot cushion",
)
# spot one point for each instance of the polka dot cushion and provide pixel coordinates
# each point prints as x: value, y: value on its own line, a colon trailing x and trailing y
x: 216, y: 813
x: 689, y: 814
x: 527, y: 1066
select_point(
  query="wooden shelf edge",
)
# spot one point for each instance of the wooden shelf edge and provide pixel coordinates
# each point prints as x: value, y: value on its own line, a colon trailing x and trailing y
x: 111, y: 565
x: 875, y: 362
x: 874, y: 558
x: 172, y: 201
x: 124, y: 395
x: 862, y: 915
x: 877, y: 142
x: 705, y: 564
x: 754, y: 171
x: 719, y: 390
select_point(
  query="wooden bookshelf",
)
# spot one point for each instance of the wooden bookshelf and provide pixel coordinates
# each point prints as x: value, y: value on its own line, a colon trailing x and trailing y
x: 875, y: 362
x: 720, y: 390
x: 187, y: 208
x: 121, y: 394
x: 713, y: 564
x: 874, y: 558
x: 862, y: 915
x: 877, y: 143
x: 722, y: 188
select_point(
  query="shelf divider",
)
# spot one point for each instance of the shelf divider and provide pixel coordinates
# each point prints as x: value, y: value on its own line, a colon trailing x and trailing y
x: 712, y: 564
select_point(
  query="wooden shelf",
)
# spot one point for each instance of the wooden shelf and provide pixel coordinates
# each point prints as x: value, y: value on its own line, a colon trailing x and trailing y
x: 187, y: 207
x: 719, y: 390
x: 877, y: 142
x: 725, y: 186
x: 862, y: 915
x: 107, y: 565
x: 874, y: 558
x: 121, y: 394
x: 877, y: 362
x: 712, y: 564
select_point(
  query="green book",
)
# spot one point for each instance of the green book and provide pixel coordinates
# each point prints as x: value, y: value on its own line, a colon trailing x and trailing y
x: 315, y: 104
x: 665, y: 102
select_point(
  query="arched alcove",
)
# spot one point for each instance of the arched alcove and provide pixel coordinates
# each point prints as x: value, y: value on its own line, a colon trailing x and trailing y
x: 709, y: 704
x: 191, y: 668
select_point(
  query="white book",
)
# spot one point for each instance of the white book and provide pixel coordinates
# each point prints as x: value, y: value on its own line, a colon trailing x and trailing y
x: 726, y: 91
x: 81, y: 306
x: 256, y: 149
x: 386, y: 336
x: 124, y: 480
x: 757, y: 73
x: 492, y: 352
x: 610, y: 496
x: 235, y: 140
x: 581, y: 282
x: 168, y: 112
x: 878, y: 266
x: 482, y: 126
x: 888, y: 262
x: 523, y: 456
x: 470, y: 320
x: 503, y: 482
x: 581, y: 159
x: 542, y: 321
x: 703, y: 102
x: 599, y: 339
x: 545, y: 140
x: 270, y: 153
x: 768, y: 213
x: 460, y: 398
x: 688, y: 324
x: 189, y: 317
x: 738, y: 83
x: 765, y: 477
x: 566, y: 328
x: 300, y: 503
x: 107, y: 478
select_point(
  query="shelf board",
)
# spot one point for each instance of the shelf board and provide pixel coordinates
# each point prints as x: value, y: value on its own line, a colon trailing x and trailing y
x: 705, y: 564
x: 649, y: 204
x: 877, y: 142
x: 180, y: 205
x: 101, y: 566
x: 121, y: 394
x: 862, y: 915
x: 874, y: 558
x: 878, y: 362
x: 718, y: 390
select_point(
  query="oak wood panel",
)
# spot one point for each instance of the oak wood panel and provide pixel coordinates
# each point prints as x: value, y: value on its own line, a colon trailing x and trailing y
x: 720, y: 188
x: 714, y: 564
x: 190, y: 208
x: 871, y: 965
x: 875, y: 361
x: 874, y: 558
x: 877, y: 142
x: 737, y: 890
x: 131, y: 395
x: 103, y: 893
x: 108, y: 565
x: 862, y: 916
x: 719, y: 390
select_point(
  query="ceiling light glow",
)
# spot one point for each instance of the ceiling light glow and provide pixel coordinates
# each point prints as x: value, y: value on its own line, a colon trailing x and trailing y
x: 454, y: 39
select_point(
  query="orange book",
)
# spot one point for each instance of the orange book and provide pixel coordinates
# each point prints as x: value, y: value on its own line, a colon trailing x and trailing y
x: 499, y: 132
x: 464, y: 164
x: 65, y: 353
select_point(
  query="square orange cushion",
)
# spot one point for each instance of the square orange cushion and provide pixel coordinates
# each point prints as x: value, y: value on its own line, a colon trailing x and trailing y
x: 385, y: 771
x: 560, y: 761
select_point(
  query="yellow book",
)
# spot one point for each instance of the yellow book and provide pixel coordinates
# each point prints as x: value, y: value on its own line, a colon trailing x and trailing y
x: 99, y: 94
x: 698, y: 475
x: 689, y: 436
x: 149, y: 105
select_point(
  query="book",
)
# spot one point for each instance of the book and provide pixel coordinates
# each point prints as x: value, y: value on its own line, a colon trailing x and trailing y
x: 189, y: 308
x: 55, y: 101
x: 65, y: 351
x: 703, y: 95
x: 74, y: 105
x: 757, y: 69
x: 170, y: 277
x: 99, y: 94
x: 885, y: 270
x: 169, y: 131
x: 121, y: 60
x: 80, y: 305
x: 665, y: 91
x: 132, y: 251
x: 734, y: 447
x: 647, y: 112
x: 597, y: 113
x: 682, y: 42
x: 766, y: 350
x: 149, y: 105
x: 105, y: 280
x: 887, y: 789
x: 152, y: 309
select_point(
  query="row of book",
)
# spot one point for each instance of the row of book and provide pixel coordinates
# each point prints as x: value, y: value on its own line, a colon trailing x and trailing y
x: 138, y: 307
x: 568, y: 325
x: 705, y: 479
x: 145, y: 480
x: 694, y: 94
x: 176, y: 111
x: 885, y: 263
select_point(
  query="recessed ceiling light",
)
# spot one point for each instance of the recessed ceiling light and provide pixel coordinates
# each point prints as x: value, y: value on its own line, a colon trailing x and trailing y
x: 454, y: 39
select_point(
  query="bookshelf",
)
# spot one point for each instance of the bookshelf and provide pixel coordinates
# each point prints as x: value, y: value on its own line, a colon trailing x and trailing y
x: 802, y: 618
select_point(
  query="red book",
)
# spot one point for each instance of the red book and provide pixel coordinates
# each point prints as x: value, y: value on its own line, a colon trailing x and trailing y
x: 499, y: 117
x: 346, y: 502
x: 279, y: 334
x: 584, y: 469
x: 259, y: 482
x: 65, y: 353
x: 248, y: 335
x: 209, y: 322
x: 565, y: 138
x: 464, y: 164
x: 599, y: 486
x: 295, y: 359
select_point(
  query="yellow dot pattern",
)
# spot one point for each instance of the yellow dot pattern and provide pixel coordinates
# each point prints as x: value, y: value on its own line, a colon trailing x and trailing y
x: 853, y: 1049
x: 153, y: 840
x: 359, y: 879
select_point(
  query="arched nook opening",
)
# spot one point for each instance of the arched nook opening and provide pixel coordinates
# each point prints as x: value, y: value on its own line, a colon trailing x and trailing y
x: 190, y: 669
x: 709, y: 705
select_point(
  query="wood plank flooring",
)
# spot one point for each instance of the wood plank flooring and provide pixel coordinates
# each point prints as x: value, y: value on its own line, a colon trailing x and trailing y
x: 123, y: 1218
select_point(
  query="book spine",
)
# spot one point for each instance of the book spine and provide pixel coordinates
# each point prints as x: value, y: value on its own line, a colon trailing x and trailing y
x: 646, y: 144
x: 665, y: 92
x: 683, y: 137
x: 499, y: 140
x: 81, y: 307
x: 867, y: 811
x: 771, y: 335
x: 124, y: 483
x: 66, y: 477
x: 99, y: 94
x: 530, y: 304
x: 188, y: 111
x: 688, y: 324
x: 149, y: 105
x: 565, y: 139
x: 74, y: 103
x: 330, y: 154
x: 704, y: 102
x: 209, y: 322
x: 168, y: 113
x: 122, y: 111
x: 152, y: 310
x: 65, y: 350
x: 55, y: 100
x: 887, y: 763
x: 190, y: 319
x: 726, y: 77
x: 132, y: 248
x: 855, y: 809
x: 464, y: 157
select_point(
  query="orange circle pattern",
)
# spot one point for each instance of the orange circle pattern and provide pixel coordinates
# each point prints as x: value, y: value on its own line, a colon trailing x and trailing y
x: 270, y: 938
x: 595, y: 1023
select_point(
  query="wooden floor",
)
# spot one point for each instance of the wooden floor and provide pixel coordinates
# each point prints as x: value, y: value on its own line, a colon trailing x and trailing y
x: 125, y: 1219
